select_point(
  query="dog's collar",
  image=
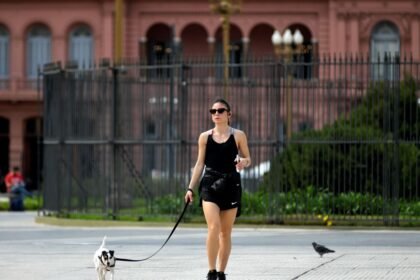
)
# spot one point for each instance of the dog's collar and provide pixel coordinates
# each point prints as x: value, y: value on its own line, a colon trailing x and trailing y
x: 105, y: 264
x: 101, y: 261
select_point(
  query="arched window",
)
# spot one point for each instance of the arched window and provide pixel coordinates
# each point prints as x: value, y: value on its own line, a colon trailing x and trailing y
x: 159, y: 49
x: 38, y: 49
x: 303, y: 57
x: 81, y: 46
x: 385, y: 46
x: 194, y: 40
x: 235, y: 52
x: 4, y: 53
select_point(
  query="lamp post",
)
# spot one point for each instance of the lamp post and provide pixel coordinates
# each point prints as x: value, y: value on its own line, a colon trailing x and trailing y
x: 118, y: 30
x: 283, y: 48
x: 225, y: 8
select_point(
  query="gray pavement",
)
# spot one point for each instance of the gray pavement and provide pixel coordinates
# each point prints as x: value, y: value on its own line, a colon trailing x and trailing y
x: 35, y: 251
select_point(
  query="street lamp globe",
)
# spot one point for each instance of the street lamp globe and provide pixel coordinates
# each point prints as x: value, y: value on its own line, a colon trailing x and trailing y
x: 276, y: 38
x: 297, y: 37
x: 287, y: 37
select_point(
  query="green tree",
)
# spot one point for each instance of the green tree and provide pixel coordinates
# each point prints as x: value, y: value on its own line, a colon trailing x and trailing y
x: 365, y: 150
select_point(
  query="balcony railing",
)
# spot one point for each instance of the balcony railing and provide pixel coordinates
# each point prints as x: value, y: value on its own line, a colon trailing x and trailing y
x: 20, y: 88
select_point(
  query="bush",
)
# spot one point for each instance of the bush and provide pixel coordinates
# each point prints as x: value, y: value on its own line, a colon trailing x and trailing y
x: 369, y: 150
x: 310, y: 201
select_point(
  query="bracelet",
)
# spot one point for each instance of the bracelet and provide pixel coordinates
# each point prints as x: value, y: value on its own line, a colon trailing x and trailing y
x: 190, y: 190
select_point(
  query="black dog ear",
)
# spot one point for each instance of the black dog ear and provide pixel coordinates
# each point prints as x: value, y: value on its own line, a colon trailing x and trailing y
x: 111, y: 253
x: 104, y: 253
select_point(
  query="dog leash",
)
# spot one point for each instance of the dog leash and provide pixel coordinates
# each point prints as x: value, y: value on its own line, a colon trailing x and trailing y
x: 164, y: 243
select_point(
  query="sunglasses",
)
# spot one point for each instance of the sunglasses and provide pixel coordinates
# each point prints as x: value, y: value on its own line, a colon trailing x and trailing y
x: 220, y: 111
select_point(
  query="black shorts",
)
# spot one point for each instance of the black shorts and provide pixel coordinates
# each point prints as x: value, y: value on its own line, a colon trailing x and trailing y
x: 222, y: 189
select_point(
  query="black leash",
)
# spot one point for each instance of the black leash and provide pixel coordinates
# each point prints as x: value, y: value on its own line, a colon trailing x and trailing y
x: 164, y: 243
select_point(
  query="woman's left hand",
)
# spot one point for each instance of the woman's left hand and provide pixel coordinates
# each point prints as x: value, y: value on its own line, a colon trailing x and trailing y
x: 241, y: 163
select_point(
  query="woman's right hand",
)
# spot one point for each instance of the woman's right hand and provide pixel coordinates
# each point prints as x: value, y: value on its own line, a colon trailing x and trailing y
x: 189, y: 196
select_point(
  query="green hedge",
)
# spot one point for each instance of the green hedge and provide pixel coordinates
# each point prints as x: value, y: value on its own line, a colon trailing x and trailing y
x: 310, y: 201
x: 30, y: 204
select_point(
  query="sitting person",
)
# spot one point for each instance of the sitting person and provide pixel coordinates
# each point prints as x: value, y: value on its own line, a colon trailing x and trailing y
x: 16, y: 188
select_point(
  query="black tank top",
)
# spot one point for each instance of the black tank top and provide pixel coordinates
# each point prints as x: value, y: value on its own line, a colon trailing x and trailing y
x: 221, y: 156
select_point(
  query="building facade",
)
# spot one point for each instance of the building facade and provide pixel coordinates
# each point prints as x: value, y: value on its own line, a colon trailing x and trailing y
x: 36, y: 32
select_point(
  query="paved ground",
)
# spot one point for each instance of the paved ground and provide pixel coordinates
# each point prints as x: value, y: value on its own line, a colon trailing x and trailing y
x: 34, y: 251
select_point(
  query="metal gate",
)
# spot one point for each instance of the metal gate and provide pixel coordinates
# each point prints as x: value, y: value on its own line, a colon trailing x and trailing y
x: 328, y: 138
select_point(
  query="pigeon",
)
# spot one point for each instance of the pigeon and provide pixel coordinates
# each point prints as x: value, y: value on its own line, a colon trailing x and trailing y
x: 321, y: 249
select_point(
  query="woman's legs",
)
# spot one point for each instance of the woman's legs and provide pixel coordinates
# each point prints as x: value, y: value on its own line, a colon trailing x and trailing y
x: 212, y: 215
x: 227, y: 219
x: 219, y: 224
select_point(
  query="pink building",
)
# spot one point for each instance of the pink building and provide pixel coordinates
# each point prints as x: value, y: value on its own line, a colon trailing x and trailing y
x: 36, y: 32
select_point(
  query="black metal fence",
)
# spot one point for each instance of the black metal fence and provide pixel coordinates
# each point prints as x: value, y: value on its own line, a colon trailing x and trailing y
x: 336, y: 137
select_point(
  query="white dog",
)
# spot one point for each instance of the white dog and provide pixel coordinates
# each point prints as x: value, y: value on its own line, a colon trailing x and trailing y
x: 104, y: 261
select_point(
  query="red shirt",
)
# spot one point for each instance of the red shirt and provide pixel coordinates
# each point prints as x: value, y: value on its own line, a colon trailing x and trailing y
x: 12, y: 178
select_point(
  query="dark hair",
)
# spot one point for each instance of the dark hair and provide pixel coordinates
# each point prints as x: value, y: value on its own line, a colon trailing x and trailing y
x: 221, y: 100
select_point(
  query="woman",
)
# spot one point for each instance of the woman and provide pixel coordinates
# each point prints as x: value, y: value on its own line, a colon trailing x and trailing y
x: 223, y: 151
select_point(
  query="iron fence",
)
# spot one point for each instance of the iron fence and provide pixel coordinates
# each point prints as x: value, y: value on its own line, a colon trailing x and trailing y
x: 336, y: 136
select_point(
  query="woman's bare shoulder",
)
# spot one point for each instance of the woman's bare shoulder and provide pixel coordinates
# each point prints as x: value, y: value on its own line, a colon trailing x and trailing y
x: 238, y: 133
x: 204, y: 135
